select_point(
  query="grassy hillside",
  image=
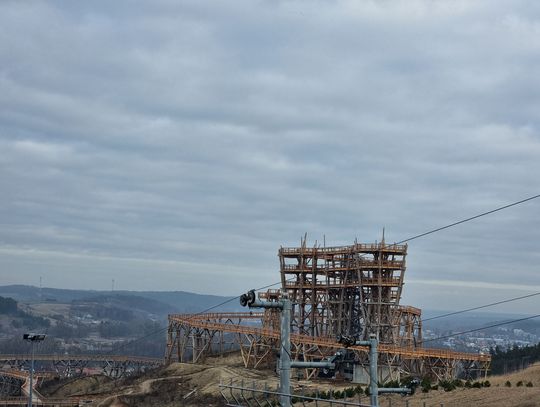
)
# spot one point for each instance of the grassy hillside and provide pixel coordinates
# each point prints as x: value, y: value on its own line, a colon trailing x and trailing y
x: 498, y: 395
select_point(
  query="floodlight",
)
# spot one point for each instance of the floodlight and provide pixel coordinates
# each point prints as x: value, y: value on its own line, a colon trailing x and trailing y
x: 251, y: 297
x: 34, y: 337
x: 248, y: 298
x: 243, y: 300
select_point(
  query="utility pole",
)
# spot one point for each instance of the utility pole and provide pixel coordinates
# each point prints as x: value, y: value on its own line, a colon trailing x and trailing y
x: 372, y: 343
x: 285, y: 362
x: 373, y: 369
x: 374, y: 390
x: 285, y: 350
x: 32, y: 338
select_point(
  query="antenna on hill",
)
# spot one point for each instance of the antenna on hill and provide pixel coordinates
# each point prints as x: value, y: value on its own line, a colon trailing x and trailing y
x: 40, y: 289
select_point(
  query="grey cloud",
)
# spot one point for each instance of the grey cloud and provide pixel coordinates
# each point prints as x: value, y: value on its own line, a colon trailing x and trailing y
x: 193, y: 139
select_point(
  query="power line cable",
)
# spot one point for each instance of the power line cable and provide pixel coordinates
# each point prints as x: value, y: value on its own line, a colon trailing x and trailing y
x: 429, y: 232
x: 129, y: 343
x: 469, y: 219
x: 232, y: 299
x: 163, y: 329
x: 479, y: 329
x: 480, y: 307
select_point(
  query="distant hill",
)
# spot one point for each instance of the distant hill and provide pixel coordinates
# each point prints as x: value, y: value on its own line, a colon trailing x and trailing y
x: 473, y: 320
x: 128, y: 302
x: 153, y: 301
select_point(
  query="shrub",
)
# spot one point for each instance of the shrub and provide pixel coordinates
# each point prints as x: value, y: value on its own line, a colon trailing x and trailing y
x: 487, y: 383
x: 529, y: 384
x: 477, y: 385
x: 425, y: 384
x: 349, y: 392
x: 468, y: 384
x: 338, y: 395
x: 447, y: 385
x: 405, y: 381
x: 519, y: 384
x: 426, y: 381
x: 508, y: 384
x: 8, y: 305
x: 391, y: 383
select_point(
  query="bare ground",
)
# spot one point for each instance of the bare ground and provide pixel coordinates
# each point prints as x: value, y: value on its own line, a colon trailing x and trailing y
x: 182, y: 384
x: 179, y: 384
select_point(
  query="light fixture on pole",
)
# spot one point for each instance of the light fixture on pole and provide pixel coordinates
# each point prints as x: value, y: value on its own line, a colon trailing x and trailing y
x: 32, y: 338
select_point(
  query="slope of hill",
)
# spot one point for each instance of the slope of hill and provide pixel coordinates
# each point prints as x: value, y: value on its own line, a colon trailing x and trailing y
x: 179, y: 384
x: 498, y: 395
x: 177, y: 301
x: 197, y: 384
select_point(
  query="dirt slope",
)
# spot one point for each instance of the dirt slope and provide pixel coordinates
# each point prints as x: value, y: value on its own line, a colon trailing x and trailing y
x: 179, y: 384
x: 183, y: 384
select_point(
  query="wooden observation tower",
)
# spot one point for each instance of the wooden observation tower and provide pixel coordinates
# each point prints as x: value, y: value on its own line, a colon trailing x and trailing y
x: 349, y: 290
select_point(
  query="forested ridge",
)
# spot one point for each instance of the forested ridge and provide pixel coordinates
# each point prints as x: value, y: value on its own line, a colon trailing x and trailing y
x: 515, y: 358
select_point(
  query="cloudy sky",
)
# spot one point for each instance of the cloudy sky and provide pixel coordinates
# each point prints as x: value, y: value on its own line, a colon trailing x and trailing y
x: 175, y: 145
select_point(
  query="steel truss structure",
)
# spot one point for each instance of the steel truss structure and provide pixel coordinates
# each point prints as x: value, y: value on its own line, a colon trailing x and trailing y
x: 10, y: 384
x: 14, y: 385
x: 347, y: 290
x: 73, y: 365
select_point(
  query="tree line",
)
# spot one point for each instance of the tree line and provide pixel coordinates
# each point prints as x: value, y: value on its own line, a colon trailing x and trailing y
x: 512, y: 359
x: 8, y: 306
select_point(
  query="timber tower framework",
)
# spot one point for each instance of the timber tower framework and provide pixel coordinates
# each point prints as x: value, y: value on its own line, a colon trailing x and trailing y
x: 350, y: 290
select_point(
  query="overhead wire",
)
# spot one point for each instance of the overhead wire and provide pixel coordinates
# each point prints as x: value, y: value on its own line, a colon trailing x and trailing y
x: 163, y: 329
x: 480, y: 307
x: 469, y: 219
x: 481, y: 328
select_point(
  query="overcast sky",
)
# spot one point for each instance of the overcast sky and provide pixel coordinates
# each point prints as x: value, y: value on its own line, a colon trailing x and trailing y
x: 176, y: 145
